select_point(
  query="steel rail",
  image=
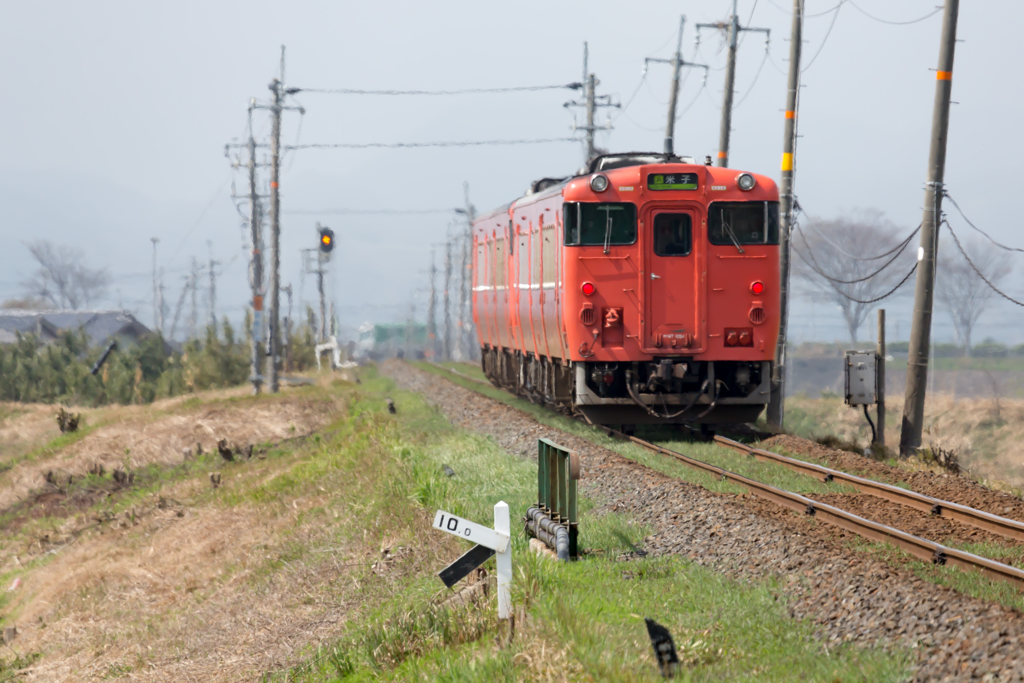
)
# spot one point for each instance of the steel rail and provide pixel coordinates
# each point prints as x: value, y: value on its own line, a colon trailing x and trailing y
x: 921, y: 548
x: 1010, y: 528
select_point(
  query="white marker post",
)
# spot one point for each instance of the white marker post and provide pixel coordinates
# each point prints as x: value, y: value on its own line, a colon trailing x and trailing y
x: 488, y: 542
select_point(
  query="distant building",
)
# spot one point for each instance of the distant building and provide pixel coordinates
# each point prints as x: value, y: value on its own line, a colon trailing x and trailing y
x: 100, y: 326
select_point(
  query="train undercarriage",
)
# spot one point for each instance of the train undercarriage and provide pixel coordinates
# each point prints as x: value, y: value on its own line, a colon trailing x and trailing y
x: 670, y: 390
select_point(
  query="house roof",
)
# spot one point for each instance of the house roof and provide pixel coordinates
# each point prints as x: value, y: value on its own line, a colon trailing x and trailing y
x: 99, y: 326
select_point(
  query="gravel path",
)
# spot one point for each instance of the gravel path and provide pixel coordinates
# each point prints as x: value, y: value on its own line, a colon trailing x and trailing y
x: 850, y: 597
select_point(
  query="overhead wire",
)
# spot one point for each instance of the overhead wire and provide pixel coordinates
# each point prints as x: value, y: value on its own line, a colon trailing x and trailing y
x: 854, y: 299
x: 827, y: 34
x: 396, y: 145
x: 976, y: 270
x: 987, y: 236
x: 817, y: 267
x: 894, y: 23
x: 799, y: 209
x: 465, y: 91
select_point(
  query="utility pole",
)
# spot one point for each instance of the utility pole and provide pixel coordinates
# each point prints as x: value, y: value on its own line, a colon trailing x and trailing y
x: 776, y: 401
x: 677, y: 63
x: 447, y: 300
x: 432, y: 311
x: 323, y: 298
x: 193, y: 321
x: 256, y: 350
x: 732, y: 30
x: 156, y: 294
x: 288, y: 330
x: 161, y: 305
x: 591, y: 102
x: 213, y: 286
x: 465, y: 321
x: 924, y: 289
x: 880, y: 406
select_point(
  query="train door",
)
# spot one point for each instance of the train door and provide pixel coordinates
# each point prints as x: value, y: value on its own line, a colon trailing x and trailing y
x: 672, y: 291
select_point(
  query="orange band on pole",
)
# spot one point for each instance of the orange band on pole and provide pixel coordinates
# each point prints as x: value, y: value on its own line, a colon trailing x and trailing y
x: 944, y: 75
x: 257, y: 303
x: 274, y: 185
x: 722, y: 155
x: 787, y: 161
x: 790, y: 114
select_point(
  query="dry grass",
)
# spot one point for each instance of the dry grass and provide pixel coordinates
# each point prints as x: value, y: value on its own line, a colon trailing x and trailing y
x: 986, y: 434
x: 134, y: 436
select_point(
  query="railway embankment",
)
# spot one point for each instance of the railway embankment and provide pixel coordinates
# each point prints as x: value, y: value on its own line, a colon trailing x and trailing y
x: 851, y: 590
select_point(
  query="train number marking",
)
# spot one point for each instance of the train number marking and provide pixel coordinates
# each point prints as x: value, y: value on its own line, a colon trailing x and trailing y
x: 470, y: 531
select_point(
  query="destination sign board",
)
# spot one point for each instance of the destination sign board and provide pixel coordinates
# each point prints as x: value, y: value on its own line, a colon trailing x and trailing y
x: 672, y: 181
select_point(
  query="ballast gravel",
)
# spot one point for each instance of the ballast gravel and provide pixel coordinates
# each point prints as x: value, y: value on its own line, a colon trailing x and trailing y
x: 850, y: 597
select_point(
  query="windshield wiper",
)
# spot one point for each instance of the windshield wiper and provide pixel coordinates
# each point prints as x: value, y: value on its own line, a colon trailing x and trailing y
x: 608, y: 230
x: 732, y: 235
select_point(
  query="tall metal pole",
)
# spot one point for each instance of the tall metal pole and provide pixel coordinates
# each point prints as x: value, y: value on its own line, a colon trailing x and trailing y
x: 591, y: 84
x: 924, y: 291
x: 275, y: 232
x: 156, y: 294
x: 256, y: 368
x: 213, y: 286
x: 880, y: 350
x: 730, y: 82
x: 193, y: 324
x: 160, y: 304
x: 323, y: 297
x: 677, y: 63
x: 466, y: 305
x: 447, y: 300
x: 432, y: 311
x: 776, y: 407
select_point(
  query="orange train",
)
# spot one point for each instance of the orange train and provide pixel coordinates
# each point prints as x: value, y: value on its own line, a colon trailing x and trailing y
x: 643, y: 290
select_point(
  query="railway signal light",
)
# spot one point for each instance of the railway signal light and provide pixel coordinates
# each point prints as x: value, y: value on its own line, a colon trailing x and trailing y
x: 326, y: 240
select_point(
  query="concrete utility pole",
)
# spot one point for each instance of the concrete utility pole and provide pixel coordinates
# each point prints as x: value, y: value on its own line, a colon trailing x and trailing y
x: 776, y: 402
x: 193, y: 320
x: 432, y: 311
x: 924, y: 290
x: 465, y: 322
x: 288, y: 329
x: 732, y: 30
x: 213, y: 286
x: 591, y: 103
x: 677, y: 63
x: 156, y: 294
x: 256, y: 350
x: 447, y: 299
x: 160, y: 304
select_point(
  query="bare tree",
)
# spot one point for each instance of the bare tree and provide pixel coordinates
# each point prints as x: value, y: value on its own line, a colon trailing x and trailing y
x: 960, y: 288
x: 62, y: 278
x: 851, y: 262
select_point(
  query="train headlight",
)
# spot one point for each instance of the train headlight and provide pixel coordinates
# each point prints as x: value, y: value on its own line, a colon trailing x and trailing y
x: 745, y: 181
x: 599, y: 183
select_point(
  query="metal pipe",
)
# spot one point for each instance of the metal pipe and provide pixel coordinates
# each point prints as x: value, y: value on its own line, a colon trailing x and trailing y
x: 549, y: 532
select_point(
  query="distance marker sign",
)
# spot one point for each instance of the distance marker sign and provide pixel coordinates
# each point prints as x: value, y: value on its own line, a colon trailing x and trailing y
x: 470, y: 531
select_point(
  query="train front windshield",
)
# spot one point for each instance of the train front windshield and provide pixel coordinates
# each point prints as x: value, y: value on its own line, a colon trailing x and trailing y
x: 743, y: 223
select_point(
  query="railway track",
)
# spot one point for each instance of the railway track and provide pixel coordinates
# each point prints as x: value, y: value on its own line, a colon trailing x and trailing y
x: 921, y: 548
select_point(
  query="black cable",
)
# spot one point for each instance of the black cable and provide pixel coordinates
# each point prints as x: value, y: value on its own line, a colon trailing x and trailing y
x: 799, y: 209
x: 393, y: 145
x: 975, y: 268
x: 466, y: 91
x: 987, y: 236
x: 895, y: 23
x: 871, y: 301
x: 827, y: 34
x: 816, y: 266
x: 874, y: 434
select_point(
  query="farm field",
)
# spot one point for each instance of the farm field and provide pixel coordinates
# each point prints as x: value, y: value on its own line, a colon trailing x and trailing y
x: 314, y: 559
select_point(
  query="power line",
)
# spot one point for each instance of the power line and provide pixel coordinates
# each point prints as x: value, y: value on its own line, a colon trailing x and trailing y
x: 827, y: 34
x: 365, y: 212
x: 894, y: 23
x: 466, y: 91
x: 817, y: 268
x: 395, y: 145
x: 976, y: 270
x: 987, y: 236
x: 870, y: 301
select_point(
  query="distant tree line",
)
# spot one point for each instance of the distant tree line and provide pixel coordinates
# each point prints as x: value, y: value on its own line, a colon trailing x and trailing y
x: 59, y: 372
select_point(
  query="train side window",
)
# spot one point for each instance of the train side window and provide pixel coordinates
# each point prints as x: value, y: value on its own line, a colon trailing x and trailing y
x: 744, y: 222
x: 673, y: 234
x: 598, y: 224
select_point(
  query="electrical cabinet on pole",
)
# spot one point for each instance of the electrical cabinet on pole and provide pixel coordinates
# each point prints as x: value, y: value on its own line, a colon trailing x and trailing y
x: 924, y: 289
x: 677, y: 63
x: 776, y: 401
x: 732, y: 30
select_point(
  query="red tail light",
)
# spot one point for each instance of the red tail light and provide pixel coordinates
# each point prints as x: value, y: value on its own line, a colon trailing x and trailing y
x: 588, y: 289
x: 757, y: 287
x: 731, y: 338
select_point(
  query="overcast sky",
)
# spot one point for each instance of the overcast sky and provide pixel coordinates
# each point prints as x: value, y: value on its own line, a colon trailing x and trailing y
x: 116, y: 115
